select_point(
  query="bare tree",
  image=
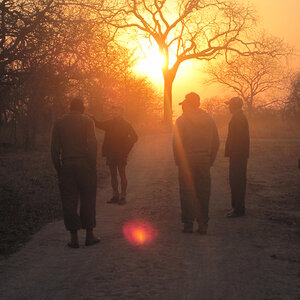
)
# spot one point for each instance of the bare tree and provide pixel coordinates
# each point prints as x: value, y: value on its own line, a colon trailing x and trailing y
x: 65, y: 51
x: 249, y: 76
x: 292, y: 108
x: 19, y: 19
x: 186, y: 29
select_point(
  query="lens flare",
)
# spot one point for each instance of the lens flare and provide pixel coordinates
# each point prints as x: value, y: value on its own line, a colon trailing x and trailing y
x: 139, y: 232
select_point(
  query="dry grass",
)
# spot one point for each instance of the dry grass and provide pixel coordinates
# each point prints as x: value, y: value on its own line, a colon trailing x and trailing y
x: 274, y: 180
x: 29, y: 197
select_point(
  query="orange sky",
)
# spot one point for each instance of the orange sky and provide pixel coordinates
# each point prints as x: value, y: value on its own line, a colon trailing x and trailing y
x: 281, y: 18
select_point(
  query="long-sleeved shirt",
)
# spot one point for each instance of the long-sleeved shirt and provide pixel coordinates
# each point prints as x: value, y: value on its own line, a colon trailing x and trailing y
x: 238, y: 140
x: 195, y: 138
x: 73, y: 137
x: 119, y: 138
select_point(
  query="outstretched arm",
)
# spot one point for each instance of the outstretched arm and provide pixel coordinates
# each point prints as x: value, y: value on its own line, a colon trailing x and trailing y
x: 177, y: 144
x: 100, y: 124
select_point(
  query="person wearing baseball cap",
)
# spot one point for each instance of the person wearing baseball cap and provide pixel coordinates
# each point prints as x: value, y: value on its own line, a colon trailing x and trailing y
x: 195, y: 146
x: 191, y: 100
x: 237, y: 149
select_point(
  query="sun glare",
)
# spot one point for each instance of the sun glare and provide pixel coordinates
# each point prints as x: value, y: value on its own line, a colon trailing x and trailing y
x: 150, y: 63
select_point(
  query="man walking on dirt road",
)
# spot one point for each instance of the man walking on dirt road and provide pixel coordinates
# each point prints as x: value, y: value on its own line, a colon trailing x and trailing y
x: 237, y: 149
x: 195, y: 146
x: 118, y: 141
x: 74, y: 155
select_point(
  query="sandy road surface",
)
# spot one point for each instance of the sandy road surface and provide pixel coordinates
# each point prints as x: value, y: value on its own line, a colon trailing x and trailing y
x: 248, y: 258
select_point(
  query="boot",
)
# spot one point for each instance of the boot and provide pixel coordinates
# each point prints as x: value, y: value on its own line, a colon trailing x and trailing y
x: 90, y: 238
x: 113, y: 200
x: 188, y: 227
x: 122, y: 201
x: 236, y: 214
x: 74, y: 239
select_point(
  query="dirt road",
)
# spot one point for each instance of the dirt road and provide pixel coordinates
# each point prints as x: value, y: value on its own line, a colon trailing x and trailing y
x: 248, y: 258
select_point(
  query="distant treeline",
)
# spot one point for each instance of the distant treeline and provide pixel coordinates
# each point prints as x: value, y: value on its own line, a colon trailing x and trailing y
x: 49, y: 52
x: 52, y: 50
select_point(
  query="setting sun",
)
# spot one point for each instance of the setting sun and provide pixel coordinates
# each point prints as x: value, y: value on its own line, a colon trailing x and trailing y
x: 150, y: 62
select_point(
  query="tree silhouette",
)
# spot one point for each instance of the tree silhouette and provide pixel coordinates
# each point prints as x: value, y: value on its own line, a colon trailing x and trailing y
x: 51, y: 50
x: 187, y: 29
x: 293, y: 102
x: 251, y: 75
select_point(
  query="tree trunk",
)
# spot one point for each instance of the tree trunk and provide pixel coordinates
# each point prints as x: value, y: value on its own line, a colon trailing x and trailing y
x: 168, y: 112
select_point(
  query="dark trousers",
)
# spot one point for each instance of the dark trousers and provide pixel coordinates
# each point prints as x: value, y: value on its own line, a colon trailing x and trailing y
x: 194, y: 188
x: 238, y: 182
x: 78, y: 181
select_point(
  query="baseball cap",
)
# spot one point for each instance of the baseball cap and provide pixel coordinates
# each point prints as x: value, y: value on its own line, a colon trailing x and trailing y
x: 191, y: 99
x: 235, y: 101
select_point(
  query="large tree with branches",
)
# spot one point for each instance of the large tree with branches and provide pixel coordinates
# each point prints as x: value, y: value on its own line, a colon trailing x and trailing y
x: 186, y: 29
x: 251, y: 76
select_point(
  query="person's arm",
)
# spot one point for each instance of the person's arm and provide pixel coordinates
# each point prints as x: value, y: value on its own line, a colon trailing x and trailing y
x: 56, y: 148
x: 91, y: 144
x: 215, y: 144
x: 247, y: 146
x: 133, y: 135
x: 228, y: 141
x: 100, y: 124
x: 177, y: 144
x: 241, y: 139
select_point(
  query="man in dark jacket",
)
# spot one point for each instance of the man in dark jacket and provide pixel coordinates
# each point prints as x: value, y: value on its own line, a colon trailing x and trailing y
x: 237, y: 149
x: 74, y: 155
x: 195, y: 146
x: 118, y: 141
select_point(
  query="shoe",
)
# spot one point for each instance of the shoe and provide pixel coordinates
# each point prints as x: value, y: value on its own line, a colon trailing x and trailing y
x: 73, y: 244
x: 122, y: 201
x: 235, y: 214
x: 187, y: 228
x: 92, y: 241
x: 74, y: 239
x: 113, y: 200
x: 202, y: 231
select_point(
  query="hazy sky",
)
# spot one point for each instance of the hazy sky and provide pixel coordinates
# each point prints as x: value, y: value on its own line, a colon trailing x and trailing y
x: 281, y: 18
